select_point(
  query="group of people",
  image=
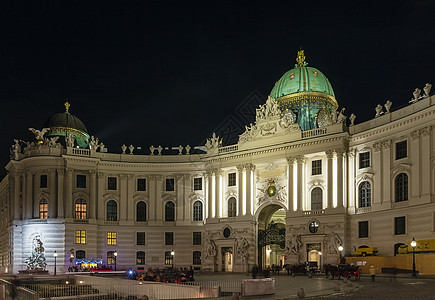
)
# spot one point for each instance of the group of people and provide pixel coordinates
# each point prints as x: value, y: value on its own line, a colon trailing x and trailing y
x: 168, y: 275
x: 88, y: 269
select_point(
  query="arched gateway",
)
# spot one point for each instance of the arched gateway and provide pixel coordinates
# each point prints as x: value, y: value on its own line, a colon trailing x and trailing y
x: 271, y: 236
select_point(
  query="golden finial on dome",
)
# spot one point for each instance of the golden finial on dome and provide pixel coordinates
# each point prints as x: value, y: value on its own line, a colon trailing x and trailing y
x: 301, y: 58
x: 67, y: 105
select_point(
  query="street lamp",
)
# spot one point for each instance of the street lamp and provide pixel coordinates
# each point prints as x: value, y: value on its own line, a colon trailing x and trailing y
x: 55, y: 257
x: 115, y: 254
x: 172, y: 255
x: 413, y: 245
x: 340, y: 249
x: 320, y: 267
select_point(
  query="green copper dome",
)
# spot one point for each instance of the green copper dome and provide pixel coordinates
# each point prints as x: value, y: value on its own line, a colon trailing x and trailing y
x: 62, y: 124
x: 306, y: 92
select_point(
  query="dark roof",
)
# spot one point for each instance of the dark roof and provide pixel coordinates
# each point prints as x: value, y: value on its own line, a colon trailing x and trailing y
x: 65, y: 119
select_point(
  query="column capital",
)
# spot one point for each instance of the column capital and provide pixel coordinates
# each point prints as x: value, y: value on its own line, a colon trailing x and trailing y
x: 100, y: 174
x: 291, y: 160
x: 300, y: 159
x: 329, y: 154
x: 217, y: 172
x: 425, y: 131
x: 386, y: 144
x: 60, y: 172
x: 93, y: 172
x: 123, y: 176
x: 155, y: 177
x: 240, y: 168
x: 351, y: 153
x: 415, y: 134
x: 68, y: 171
x: 377, y: 147
x: 249, y: 167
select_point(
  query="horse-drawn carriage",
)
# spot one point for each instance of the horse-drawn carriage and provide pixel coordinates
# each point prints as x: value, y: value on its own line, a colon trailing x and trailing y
x: 345, y: 271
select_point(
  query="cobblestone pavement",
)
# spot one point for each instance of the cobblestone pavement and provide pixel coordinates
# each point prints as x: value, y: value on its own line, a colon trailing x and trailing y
x: 385, y: 288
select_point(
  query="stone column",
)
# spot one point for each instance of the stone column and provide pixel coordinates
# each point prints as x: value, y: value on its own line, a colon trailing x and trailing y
x: 351, y: 204
x: 131, y: 205
x: 249, y: 168
x: 36, y: 184
x: 377, y: 178
x: 159, y: 203
x: 179, y: 205
x: 425, y: 162
x: 187, y: 190
x: 340, y: 154
x: 60, y: 193
x: 16, y: 195
x: 209, y: 178
x: 123, y: 197
x: 415, y: 154
x: 92, y: 194
x: 68, y: 192
x: 330, y: 175
x: 290, y: 205
x: 101, y: 186
x: 386, y: 165
x: 52, y: 212
x: 218, y: 182
x: 301, y: 164
x: 240, y: 192
x: 152, y: 209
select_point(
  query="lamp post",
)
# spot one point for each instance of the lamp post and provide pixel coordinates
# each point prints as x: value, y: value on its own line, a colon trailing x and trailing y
x: 71, y: 258
x: 172, y: 255
x: 115, y: 254
x: 55, y: 257
x: 340, y: 249
x: 320, y: 267
x: 413, y: 245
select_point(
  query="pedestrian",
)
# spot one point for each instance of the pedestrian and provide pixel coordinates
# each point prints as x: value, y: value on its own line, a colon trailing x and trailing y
x: 372, y: 272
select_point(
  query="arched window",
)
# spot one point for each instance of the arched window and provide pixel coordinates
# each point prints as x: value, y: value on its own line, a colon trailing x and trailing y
x: 140, y: 258
x: 112, y: 210
x: 232, y: 207
x: 169, y: 211
x: 316, y: 199
x: 196, y: 257
x: 364, y: 191
x: 80, y: 254
x: 110, y: 258
x: 401, y: 185
x: 43, y: 209
x: 141, y: 211
x: 197, y: 211
x: 81, y: 209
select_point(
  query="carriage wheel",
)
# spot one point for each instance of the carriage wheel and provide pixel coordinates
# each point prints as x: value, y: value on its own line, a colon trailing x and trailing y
x: 337, y: 275
x: 357, y: 275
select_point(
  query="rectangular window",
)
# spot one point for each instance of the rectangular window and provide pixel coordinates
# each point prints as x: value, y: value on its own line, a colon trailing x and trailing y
x: 111, y: 183
x: 399, y: 225
x: 169, y: 238
x: 401, y: 150
x: 140, y: 258
x: 169, y: 258
x: 111, y: 238
x: 81, y: 181
x: 197, y: 238
x: 141, y: 184
x: 80, y: 236
x: 170, y: 184
x: 43, y: 181
x: 316, y: 167
x: 140, y: 238
x: 197, y: 257
x: 364, y: 160
x: 197, y: 184
x: 363, y: 229
x: 232, y: 179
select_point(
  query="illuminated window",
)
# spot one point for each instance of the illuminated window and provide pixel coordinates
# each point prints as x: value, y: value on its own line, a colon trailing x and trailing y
x: 43, y: 181
x: 111, y: 238
x: 401, y: 186
x: 81, y: 209
x: 168, y: 258
x: 140, y: 258
x: 110, y: 257
x: 232, y: 207
x: 197, y: 211
x: 80, y: 236
x: 169, y: 211
x: 364, y: 160
x: 81, y: 181
x: 43, y: 209
x: 364, y: 190
x: 170, y: 184
x: 316, y: 167
x: 141, y: 184
x: 196, y: 257
x: 197, y: 184
x: 197, y: 238
x: 316, y: 199
x: 111, y: 183
x: 141, y: 211
x: 112, y: 211
x: 232, y: 179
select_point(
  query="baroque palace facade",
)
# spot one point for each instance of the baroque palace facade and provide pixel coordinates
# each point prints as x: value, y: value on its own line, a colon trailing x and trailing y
x: 302, y: 181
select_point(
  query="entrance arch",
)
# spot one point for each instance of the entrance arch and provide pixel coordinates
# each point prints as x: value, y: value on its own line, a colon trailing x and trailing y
x: 271, y: 236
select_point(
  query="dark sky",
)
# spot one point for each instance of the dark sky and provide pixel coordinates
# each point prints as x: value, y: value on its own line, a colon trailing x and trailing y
x: 163, y: 72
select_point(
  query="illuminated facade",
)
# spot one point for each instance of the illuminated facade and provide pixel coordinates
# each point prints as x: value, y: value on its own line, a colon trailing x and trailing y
x: 280, y: 195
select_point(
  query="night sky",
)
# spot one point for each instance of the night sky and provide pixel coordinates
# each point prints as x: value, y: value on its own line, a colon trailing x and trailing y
x: 169, y: 73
